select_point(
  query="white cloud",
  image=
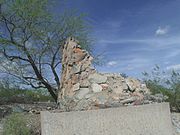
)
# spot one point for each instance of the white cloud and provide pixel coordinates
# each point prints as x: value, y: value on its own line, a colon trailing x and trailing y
x: 166, y: 62
x: 119, y: 41
x: 173, y: 67
x: 162, y: 31
x: 173, y: 53
x: 112, y: 63
x: 129, y: 67
x: 155, y: 42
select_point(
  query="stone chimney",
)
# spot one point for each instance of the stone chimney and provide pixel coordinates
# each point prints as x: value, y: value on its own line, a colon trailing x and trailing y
x: 76, y: 67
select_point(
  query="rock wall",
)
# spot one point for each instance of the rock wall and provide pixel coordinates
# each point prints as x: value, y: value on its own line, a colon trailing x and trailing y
x: 83, y: 88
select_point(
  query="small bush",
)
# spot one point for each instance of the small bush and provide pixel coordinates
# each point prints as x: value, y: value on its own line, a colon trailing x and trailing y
x: 23, y: 96
x: 173, y: 96
x: 16, y: 124
x: 166, y: 83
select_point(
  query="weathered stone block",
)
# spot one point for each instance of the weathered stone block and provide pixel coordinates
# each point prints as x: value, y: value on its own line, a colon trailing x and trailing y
x: 82, y: 92
x: 96, y: 87
x: 97, y: 78
x: 152, y: 119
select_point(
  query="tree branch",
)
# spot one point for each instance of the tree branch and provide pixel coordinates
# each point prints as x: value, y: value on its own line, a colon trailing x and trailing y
x: 40, y: 77
x: 11, y: 58
x: 56, y: 77
x: 57, y: 64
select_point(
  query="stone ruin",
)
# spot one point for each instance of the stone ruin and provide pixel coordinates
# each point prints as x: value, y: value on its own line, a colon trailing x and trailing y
x: 83, y: 88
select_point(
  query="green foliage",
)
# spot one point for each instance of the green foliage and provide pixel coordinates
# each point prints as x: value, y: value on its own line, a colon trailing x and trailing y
x: 23, y: 96
x: 32, y: 38
x: 31, y: 20
x: 16, y: 124
x: 166, y: 83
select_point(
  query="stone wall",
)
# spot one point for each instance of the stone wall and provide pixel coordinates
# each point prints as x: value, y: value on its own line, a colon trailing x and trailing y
x: 83, y: 88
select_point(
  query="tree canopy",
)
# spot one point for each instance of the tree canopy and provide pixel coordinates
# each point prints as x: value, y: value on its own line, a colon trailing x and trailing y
x: 31, y: 38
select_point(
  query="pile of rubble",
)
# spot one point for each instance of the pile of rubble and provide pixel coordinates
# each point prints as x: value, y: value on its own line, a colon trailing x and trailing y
x: 83, y: 88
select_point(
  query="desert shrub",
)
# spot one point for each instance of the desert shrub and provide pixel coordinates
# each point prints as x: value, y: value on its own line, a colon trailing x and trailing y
x: 10, y: 95
x: 166, y: 83
x: 16, y: 124
x: 173, y: 97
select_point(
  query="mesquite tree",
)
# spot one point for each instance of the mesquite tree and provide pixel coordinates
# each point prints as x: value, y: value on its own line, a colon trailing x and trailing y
x: 31, y: 38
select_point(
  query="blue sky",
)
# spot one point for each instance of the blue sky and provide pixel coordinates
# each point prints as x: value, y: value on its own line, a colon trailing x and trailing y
x: 134, y: 34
